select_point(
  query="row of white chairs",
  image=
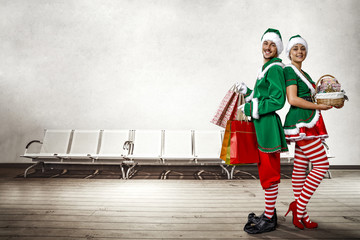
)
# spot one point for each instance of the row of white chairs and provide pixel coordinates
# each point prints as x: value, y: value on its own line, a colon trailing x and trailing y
x: 131, y: 147
x: 150, y: 145
x: 128, y: 147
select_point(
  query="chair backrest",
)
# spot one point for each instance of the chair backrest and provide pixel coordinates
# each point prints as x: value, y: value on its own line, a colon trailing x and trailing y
x: 291, y: 148
x: 207, y: 143
x: 56, y: 141
x: 112, y: 141
x: 178, y: 143
x: 147, y: 142
x: 85, y: 142
x: 290, y: 154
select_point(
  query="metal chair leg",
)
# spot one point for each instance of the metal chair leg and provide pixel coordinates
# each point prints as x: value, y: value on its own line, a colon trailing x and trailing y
x: 329, y: 174
x: 130, y: 169
x: 165, y: 174
x: 32, y: 166
x: 64, y: 171
x: 232, y: 171
x: 226, y: 171
x: 96, y: 172
x: 122, y: 172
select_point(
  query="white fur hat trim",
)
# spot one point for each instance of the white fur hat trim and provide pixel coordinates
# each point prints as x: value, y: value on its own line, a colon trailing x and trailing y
x: 293, y: 42
x: 271, y: 36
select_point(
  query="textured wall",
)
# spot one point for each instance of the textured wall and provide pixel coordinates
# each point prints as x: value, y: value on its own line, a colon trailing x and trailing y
x: 159, y: 64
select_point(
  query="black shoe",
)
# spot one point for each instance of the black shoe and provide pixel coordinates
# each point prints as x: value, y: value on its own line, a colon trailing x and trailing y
x: 252, y: 221
x: 275, y: 217
x: 252, y: 218
x: 260, y: 224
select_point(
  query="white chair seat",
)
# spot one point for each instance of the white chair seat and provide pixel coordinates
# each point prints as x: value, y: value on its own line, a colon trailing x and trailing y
x: 54, y: 142
x: 112, y: 143
x: 177, y: 156
x: 207, y: 145
x: 147, y: 145
x: 178, y: 145
x: 143, y: 156
x: 75, y: 156
x: 108, y: 156
x: 208, y: 156
x: 39, y: 155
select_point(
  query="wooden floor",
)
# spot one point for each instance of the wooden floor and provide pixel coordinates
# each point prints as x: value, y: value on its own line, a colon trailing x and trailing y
x: 38, y: 208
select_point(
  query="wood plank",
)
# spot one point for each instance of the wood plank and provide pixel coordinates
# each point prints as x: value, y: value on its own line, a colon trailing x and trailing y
x: 170, y: 209
x: 288, y: 231
x: 106, y: 207
x: 241, y: 213
x: 125, y: 226
x: 163, y: 219
x: 169, y: 203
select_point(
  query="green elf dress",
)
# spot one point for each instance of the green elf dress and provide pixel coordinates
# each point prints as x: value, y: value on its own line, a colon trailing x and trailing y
x: 300, y: 123
x: 267, y: 97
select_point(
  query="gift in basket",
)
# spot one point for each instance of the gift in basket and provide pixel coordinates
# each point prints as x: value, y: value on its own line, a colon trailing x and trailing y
x: 328, y: 92
x: 239, y: 143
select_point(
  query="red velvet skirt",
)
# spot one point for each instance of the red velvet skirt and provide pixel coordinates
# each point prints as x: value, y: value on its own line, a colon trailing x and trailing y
x: 317, y: 131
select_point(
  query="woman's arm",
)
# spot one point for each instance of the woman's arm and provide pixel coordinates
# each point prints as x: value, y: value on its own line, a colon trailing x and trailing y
x: 294, y: 100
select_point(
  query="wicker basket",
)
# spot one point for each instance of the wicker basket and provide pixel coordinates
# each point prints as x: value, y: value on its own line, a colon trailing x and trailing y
x: 335, y: 99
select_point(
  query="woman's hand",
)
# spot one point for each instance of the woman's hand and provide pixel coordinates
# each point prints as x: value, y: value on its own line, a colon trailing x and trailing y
x: 294, y: 100
x: 323, y: 107
x: 338, y: 107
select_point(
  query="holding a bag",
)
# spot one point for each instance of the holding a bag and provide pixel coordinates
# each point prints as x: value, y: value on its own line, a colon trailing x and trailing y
x: 228, y: 108
x: 261, y: 104
x: 239, y: 142
x: 262, y: 139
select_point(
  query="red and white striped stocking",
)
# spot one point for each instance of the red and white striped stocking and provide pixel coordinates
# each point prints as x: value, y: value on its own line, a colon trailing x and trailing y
x: 314, y: 151
x: 299, y: 171
x: 271, y: 194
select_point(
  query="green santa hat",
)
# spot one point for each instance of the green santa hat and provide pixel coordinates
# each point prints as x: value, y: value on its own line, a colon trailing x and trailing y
x: 274, y: 36
x: 297, y: 39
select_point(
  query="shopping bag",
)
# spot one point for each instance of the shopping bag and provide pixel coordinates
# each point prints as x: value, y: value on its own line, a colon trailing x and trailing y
x: 243, y: 143
x: 227, y: 109
x: 239, y: 143
x: 225, y: 148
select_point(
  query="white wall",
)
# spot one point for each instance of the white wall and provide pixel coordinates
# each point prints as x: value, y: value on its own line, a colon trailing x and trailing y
x: 159, y: 64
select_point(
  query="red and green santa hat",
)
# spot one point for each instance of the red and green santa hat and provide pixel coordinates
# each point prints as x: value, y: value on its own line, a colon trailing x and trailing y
x: 274, y: 36
x: 297, y: 39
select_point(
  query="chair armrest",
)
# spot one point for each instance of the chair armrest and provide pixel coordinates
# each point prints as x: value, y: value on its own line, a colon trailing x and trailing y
x: 34, y: 141
x: 129, y: 145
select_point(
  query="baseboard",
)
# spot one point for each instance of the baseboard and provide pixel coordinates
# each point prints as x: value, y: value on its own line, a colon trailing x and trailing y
x: 25, y: 165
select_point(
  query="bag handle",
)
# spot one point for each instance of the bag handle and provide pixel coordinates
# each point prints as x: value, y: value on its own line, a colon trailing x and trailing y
x: 317, y: 83
x: 233, y: 88
x: 240, y: 116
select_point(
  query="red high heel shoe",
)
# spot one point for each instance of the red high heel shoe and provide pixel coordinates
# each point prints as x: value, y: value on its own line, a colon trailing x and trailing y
x: 308, y: 224
x: 293, y: 209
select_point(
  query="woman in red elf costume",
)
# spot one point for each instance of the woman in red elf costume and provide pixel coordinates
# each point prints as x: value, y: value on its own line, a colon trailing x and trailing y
x: 305, y: 126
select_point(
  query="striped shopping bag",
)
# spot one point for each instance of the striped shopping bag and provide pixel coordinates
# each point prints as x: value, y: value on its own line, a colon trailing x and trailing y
x: 227, y: 109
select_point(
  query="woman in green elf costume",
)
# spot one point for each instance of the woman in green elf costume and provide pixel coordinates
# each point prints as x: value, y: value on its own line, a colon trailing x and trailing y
x: 305, y: 126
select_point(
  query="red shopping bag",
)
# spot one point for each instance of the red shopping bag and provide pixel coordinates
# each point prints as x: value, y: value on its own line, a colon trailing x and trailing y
x: 243, y: 143
x: 227, y: 109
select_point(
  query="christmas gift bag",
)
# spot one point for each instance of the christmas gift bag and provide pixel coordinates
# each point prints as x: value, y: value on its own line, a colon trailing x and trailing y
x: 239, y: 142
x: 225, y: 149
x: 227, y: 109
x: 243, y: 143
